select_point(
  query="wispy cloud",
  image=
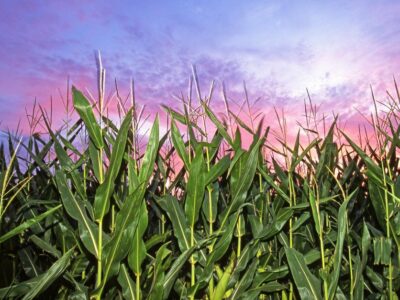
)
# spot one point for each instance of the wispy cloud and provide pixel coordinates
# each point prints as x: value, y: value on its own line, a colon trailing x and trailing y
x: 334, y: 49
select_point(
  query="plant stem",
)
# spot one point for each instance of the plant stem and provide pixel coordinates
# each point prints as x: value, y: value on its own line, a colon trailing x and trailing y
x: 99, y: 260
x: 112, y: 218
x: 163, y: 224
x: 321, y: 241
x: 387, y: 218
x: 290, y: 230
x: 239, y: 245
x: 192, y: 261
x: 351, y: 273
x: 210, y: 221
x: 138, y: 286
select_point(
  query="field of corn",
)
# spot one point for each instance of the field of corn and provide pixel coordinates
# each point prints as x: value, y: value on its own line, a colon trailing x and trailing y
x: 101, y: 210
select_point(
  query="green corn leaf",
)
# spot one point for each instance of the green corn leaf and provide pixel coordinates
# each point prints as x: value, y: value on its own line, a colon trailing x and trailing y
x: 133, y: 176
x: 126, y: 283
x: 75, y: 208
x: 39, y: 157
x: 178, y: 219
x: 218, y: 169
x: 28, y: 223
x: 271, y: 182
x: 365, y: 244
x: 192, y: 137
x: 104, y: 191
x: 244, y: 181
x: 127, y: 217
x: 177, y: 266
x: 270, y: 287
x: 358, y: 290
x: 235, y: 159
x: 118, y: 247
x: 307, y: 204
x: 224, y: 241
x: 210, y: 202
x: 328, y: 157
x: 195, y: 188
x: 315, y: 211
x: 157, y: 239
x: 28, y: 262
x: 215, y: 144
x: 276, y: 273
x: 307, y: 284
x: 173, y: 273
x: 176, y: 115
x: 277, y: 225
x: 256, y: 225
x: 382, y: 250
x: 333, y: 278
x: 377, y: 280
x: 281, y: 174
x: 220, y: 289
x: 247, y: 254
x: 241, y: 179
x: 96, y: 164
x: 25, y: 287
x: 69, y: 167
x: 372, y: 166
x: 44, y: 280
x: 241, y: 123
x: 298, y: 158
x: 179, y: 144
x: 245, y: 281
x: 221, y: 128
x: 377, y: 199
x: 302, y: 219
x: 183, y: 119
x: 45, y: 246
x: 151, y: 153
x: 240, y: 227
x: 160, y: 265
x: 237, y: 142
x: 66, y: 162
x: 201, y: 281
x: 138, y: 250
x: 295, y: 152
x: 84, y: 109
x: 271, y: 275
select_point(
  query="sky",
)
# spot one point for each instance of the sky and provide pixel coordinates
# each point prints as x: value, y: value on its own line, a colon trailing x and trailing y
x: 335, y: 49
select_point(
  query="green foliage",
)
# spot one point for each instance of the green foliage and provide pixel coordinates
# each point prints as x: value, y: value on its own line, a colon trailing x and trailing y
x: 196, y: 215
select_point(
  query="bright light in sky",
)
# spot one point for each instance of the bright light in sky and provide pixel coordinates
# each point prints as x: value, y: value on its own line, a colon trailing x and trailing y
x: 336, y: 49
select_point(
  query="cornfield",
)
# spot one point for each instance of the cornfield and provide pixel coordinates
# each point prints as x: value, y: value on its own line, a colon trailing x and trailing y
x: 87, y: 212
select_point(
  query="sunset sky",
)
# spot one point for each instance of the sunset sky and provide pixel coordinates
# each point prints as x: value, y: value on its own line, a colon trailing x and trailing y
x: 336, y: 49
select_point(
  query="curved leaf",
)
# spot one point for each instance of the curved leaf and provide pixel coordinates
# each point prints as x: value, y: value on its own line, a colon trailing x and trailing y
x: 307, y: 284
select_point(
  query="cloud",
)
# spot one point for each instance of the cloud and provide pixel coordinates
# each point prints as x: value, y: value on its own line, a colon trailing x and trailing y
x: 279, y: 49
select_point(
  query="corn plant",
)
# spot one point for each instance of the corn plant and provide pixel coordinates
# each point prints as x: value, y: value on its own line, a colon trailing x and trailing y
x: 97, y: 209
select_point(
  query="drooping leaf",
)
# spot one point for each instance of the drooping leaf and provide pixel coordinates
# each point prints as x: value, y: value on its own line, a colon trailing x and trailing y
x: 76, y: 210
x: 46, y: 279
x: 307, y: 284
x: 28, y: 223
